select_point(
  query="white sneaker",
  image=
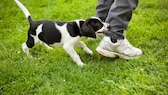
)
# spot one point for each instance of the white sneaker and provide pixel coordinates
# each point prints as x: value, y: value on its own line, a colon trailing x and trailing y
x: 122, y: 49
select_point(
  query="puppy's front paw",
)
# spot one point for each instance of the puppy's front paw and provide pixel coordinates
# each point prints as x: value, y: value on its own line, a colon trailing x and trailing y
x: 90, y: 52
x: 50, y: 48
x: 30, y: 56
x: 81, y: 64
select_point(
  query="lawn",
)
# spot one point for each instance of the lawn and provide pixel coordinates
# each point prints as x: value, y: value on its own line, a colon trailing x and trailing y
x: 52, y: 72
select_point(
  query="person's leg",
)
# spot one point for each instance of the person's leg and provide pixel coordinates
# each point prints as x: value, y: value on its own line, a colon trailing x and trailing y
x: 118, y: 17
x: 114, y: 44
x: 103, y: 8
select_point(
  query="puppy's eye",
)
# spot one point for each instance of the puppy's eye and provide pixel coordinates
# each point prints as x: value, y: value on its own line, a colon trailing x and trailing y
x: 97, y: 24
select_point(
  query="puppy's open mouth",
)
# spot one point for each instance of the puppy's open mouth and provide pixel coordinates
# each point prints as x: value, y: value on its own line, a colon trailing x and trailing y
x: 100, y: 32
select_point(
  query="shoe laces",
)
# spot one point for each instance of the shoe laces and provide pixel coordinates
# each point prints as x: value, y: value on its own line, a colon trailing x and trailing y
x: 126, y: 44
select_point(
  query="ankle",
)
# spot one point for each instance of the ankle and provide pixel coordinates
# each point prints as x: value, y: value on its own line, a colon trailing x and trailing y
x: 113, y: 40
x: 115, y: 36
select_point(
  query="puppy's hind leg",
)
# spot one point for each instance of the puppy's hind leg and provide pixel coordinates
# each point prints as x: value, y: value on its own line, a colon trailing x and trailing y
x: 29, y: 44
x: 84, y: 46
x: 26, y: 50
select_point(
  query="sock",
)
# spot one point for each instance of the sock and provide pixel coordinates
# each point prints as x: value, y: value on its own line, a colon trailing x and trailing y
x: 114, y: 40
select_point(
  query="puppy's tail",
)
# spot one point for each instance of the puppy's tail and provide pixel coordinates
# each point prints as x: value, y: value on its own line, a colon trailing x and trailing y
x: 25, y: 11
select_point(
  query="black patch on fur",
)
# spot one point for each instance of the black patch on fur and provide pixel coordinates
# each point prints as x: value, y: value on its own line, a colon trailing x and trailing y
x: 30, y: 42
x: 60, y: 23
x: 34, y: 25
x: 30, y: 19
x: 90, y: 26
x: 87, y: 29
x: 81, y: 23
x: 95, y: 23
x: 49, y: 33
x: 73, y: 29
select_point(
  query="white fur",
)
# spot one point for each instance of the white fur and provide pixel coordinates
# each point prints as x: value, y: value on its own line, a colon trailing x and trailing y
x: 38, y: 31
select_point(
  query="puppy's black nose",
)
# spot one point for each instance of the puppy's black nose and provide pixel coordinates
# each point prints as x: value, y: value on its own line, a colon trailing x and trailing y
x: 108, y: 27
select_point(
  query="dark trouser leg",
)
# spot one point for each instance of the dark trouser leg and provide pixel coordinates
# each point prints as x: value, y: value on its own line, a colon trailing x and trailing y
x: 103, y: 8
x: 118, y: 16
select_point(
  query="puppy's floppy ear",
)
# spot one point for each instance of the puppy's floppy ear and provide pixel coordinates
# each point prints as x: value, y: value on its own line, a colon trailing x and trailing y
x: 87, y: 29
x: 73, y: 29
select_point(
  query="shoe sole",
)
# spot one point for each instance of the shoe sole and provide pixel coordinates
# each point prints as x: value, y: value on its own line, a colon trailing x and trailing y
x: 111, y: 54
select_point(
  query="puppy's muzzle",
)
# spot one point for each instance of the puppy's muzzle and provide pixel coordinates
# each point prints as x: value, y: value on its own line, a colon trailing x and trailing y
x: 106, y: 27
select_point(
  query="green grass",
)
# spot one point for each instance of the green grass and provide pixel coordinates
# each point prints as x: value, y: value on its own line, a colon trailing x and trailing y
x: 53, y: 72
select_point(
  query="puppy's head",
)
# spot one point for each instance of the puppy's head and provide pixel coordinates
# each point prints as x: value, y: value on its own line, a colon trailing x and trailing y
x: 93, y: 25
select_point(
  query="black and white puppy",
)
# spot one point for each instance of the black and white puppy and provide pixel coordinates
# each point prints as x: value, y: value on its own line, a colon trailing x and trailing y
x: 62, y: 34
